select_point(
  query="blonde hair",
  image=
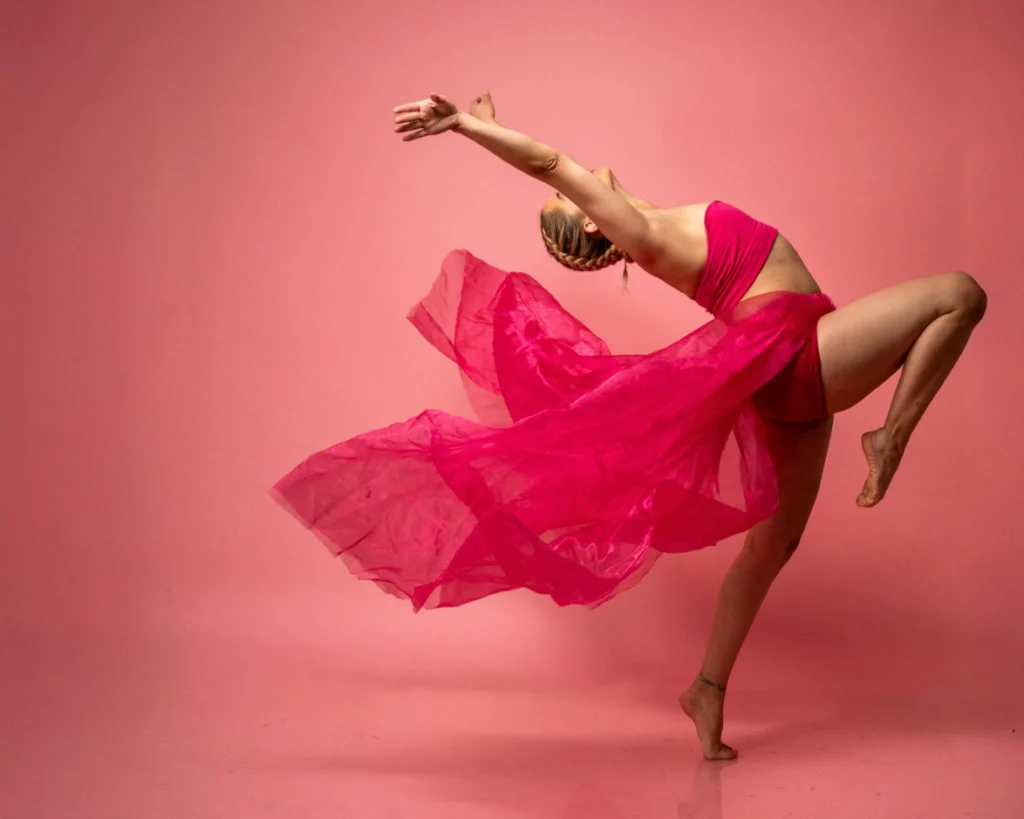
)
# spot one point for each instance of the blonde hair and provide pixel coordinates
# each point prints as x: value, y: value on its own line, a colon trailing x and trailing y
x: 571, y: 246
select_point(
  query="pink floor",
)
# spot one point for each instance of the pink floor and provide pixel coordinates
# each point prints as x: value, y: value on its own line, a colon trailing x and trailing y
x: 200, y: 723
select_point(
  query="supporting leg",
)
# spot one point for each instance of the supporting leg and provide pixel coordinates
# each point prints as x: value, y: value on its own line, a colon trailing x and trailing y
x: 798, y: 452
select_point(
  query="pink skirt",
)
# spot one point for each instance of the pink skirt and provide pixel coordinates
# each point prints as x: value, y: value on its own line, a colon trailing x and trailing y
x: 584, y: 467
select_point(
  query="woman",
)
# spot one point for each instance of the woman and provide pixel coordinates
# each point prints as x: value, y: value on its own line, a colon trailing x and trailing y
x: 608, y: 460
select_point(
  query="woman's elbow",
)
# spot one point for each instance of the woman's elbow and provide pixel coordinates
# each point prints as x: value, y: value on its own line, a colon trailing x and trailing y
x: 545, y: 165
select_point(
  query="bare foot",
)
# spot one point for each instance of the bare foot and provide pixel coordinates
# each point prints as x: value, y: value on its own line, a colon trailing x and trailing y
x: 883, y: 455
x: 703, y: 705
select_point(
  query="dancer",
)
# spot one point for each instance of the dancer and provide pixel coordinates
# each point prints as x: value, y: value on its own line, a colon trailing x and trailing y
x: 593, y: 464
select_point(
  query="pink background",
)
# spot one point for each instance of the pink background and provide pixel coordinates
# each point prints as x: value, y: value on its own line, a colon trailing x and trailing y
x: 210, y: 240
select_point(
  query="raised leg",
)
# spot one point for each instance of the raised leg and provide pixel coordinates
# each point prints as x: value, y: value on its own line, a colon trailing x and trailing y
x: 921, y: 325
x: 798, y: 453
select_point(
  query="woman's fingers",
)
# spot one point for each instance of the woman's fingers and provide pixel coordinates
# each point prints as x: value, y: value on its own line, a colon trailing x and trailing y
x: 415, y: 120
x: 410, y: 106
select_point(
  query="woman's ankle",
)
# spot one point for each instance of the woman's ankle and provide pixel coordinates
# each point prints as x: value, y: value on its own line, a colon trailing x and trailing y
x: 711, y: 682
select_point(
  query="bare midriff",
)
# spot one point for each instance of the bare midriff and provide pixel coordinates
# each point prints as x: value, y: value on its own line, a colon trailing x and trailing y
x: 784, y: 270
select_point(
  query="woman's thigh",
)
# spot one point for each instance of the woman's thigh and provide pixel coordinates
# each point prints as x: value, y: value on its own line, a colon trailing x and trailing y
x: 862, y: 344
x: 798, y: 453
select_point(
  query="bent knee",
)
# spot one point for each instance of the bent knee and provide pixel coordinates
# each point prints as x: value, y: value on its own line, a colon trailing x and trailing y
x: 786, y: 549
x: 791, y: 546
x: 967, y: 296
x: 775, y: 551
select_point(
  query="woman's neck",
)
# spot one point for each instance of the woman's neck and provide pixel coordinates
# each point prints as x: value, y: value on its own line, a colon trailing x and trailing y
x: 637, y: 202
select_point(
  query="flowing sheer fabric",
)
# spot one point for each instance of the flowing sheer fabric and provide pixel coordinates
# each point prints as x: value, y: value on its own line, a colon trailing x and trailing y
x: 585, y: 465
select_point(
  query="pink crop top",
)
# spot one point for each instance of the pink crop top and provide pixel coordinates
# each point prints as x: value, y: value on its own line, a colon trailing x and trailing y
x: 738, y: 247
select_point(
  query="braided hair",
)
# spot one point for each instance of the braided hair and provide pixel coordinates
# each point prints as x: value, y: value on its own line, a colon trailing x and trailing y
x: 571, y: 246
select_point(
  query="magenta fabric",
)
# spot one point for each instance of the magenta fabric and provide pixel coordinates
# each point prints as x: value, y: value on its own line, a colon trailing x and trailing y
x: 585, y: 465
x: 738, y: 247
x: 797, y: 394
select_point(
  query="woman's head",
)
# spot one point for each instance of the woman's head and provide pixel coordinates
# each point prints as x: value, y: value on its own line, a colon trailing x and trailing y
x: 572, y: 238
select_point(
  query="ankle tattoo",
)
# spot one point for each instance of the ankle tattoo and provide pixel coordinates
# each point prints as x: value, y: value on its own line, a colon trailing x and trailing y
x: 712, y: 683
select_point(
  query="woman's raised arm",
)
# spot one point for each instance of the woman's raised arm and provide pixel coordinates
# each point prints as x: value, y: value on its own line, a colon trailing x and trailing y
x: 613, y: 214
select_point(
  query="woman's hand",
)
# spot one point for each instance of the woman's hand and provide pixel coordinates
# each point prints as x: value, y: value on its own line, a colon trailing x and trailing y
x: 437, y: 114
x: 483, y: 108
x: 428, y: 117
